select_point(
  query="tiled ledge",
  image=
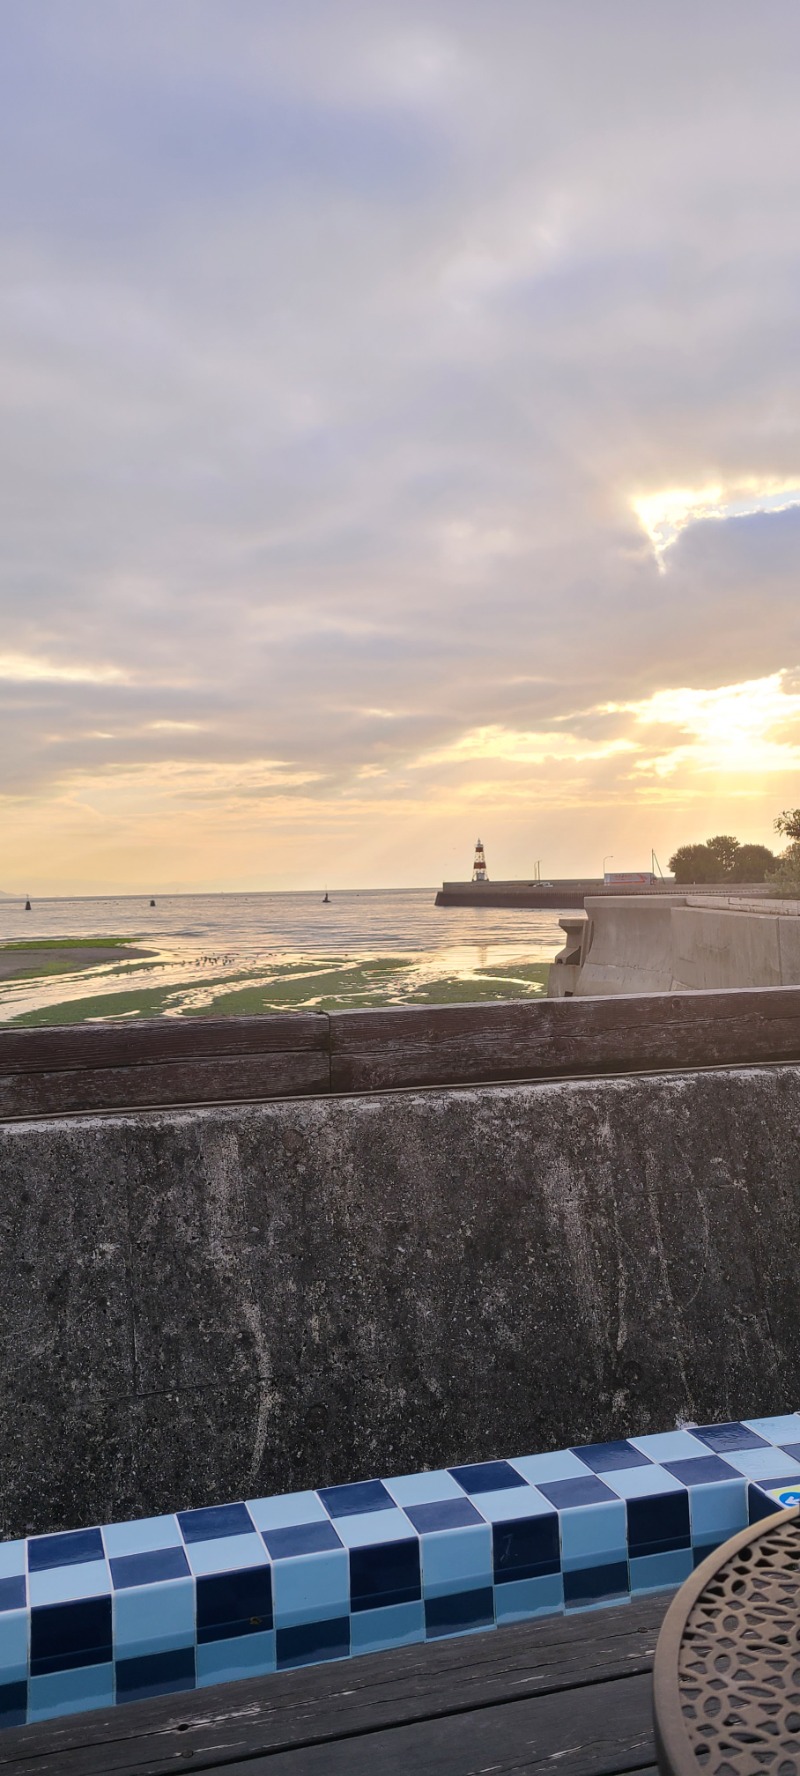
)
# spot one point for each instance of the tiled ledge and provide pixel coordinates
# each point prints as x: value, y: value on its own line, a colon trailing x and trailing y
x: 96, y: 1616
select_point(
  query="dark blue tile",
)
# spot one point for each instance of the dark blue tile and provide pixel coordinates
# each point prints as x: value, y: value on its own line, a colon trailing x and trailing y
x: 313, y: 1642
x: 12, y: 1594
x: 701, y: 1470
x: 478, y: 1477
x: 702, y: 1552
x: 593, y: 1584
x: 792, y: 1449
x: 445, y: 1514
x: 728, y: 1437
x: 465, y: 1609
x: 148, y: 1569
x: 384, y: 1574
x: 525, y: 1548
x: 350, y: 1501
x: 214, y: 1521
x: 603, y: 1458
x: 304, y: 1538
x: 65, y: 1636
x: 565, y: 1494
x: 155, y: 1674
x: 758, y: 1505
x: 13, y: 1704
x: 70, y: 1549
x: 658, y: 1523
x: 234, y: 1603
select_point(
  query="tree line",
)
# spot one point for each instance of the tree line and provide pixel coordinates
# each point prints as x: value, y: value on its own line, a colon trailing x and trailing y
x: 724, y: 859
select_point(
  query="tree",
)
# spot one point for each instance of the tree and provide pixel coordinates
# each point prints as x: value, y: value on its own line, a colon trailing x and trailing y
x: 788, y: 823
x: 723, y: 849
x: 722, y: 859
x: 785, y: 880
x: 753, y: 863
x: 694, y: 863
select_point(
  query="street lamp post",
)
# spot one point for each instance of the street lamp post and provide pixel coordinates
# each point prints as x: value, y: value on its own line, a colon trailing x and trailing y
x: 608, y: 859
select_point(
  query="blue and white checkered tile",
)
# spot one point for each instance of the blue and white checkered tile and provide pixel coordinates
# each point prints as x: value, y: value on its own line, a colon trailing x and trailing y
x: 95, y: 1616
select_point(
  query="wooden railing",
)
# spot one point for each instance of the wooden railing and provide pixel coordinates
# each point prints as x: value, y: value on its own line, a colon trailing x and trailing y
x: 85, y: 1067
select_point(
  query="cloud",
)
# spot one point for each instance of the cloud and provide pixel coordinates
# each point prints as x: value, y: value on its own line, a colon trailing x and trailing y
x: 503, y: 744
x: 745, y: 730
x: 361, y: 368
x: 25, y: 669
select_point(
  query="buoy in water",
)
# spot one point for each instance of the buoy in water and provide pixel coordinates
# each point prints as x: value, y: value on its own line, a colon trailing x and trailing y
x: 27, y: 906
x: 152, y: 903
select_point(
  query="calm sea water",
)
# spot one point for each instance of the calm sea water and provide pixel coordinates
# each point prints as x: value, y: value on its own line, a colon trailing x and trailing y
x: 371, y: 946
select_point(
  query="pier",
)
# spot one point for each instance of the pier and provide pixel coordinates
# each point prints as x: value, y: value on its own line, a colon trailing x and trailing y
x: 566, y: 892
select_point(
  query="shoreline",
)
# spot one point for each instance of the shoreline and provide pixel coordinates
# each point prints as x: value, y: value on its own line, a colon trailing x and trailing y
x: 35, y: 959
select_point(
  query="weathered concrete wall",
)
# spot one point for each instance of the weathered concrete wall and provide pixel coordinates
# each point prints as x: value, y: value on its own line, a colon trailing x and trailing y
x: 682, y: 943
x: 209, y: 1304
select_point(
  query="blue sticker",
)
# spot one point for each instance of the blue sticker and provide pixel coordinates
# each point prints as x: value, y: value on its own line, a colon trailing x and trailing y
x: 786, y: 1496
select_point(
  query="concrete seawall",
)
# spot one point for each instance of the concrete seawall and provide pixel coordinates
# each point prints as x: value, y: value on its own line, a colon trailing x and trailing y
x: 211, y: 1304
x: 677, y: 944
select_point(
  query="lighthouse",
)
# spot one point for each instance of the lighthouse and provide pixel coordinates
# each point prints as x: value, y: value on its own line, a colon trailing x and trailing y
x: 479, y: 866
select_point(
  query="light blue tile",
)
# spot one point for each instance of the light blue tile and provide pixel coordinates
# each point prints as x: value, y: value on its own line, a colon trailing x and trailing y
x: 68, y: 1692
x: 784, y: 1429
x: 311, y: 1588
x: 154, y: 1618
x: 13, y: 1643
x: 456, y: 1560
x: 142, y: 1537
x: 246, y: 1655
x: 371, y: 1527
x: 632, y: 1483
x: 670, y: 1446
x: 560, y: 1465
x: 593, y: 1531
x: 226, y: 1554
x: 12, y: 1560
x: 718, y: 1510
x: 290, y: 1509
x: 764, y: 1464
x: 524, y: 1598
x: 424, y: 1489
x: 374, y: 1631
x: 505, y: 1506
x: 661, y: 1572
x: 615, y: 1602
x: 66, y: 1584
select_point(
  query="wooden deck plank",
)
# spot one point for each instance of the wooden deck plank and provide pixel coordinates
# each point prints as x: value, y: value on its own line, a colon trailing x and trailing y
x: 439, y: 1045
x: 215, y: 1079
x: 137, y: 1064
x: 121, y: 1043
x: 230, y: 1725
x: 597, y: 1730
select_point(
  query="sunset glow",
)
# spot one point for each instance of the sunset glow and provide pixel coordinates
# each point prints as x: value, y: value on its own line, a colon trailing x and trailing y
x: 399, y: 441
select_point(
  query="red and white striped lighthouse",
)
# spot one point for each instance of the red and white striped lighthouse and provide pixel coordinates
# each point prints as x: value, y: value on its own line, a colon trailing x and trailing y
x: 479, y: 866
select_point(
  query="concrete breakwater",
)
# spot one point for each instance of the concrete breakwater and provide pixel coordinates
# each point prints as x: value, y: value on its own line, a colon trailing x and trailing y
x: 208, y: 1304
x: 565, y: 892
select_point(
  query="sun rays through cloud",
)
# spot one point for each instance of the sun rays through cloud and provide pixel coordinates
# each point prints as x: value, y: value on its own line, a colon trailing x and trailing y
x: 666, y: 514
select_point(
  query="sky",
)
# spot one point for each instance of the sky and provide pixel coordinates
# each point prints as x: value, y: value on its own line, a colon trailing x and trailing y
x: 399, y: 437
